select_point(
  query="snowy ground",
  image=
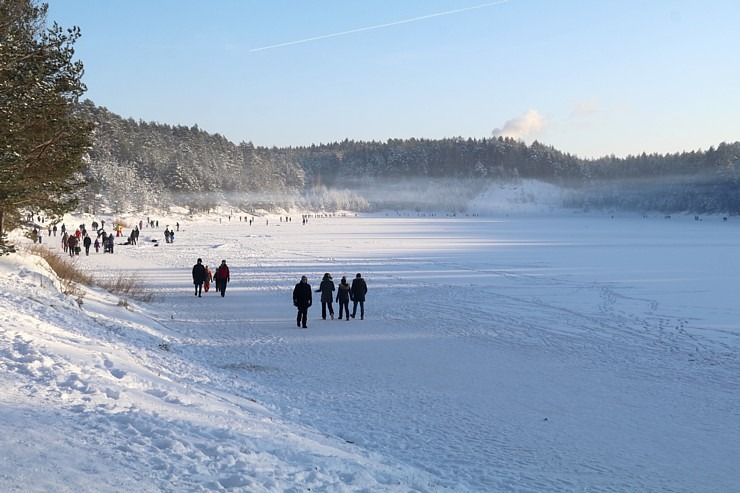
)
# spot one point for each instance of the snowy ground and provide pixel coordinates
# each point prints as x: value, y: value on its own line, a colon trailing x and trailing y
x: 522, y: 353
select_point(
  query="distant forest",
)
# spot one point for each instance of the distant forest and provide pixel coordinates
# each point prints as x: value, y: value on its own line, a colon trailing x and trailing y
x: 136, y: 165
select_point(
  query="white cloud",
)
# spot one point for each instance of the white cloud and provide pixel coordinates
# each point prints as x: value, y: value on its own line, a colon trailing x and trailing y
x: 530, y: 124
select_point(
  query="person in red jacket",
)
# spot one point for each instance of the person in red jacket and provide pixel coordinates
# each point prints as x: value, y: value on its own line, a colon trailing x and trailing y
x: 222, y: 277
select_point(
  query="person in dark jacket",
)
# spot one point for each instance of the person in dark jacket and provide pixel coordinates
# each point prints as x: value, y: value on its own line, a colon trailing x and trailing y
x: 357, y: 293
x: 326, y: 288
x: 302, y: 299
x: 72, y: 244
x: 87, y: 242
x: 222, y: 277
x: 199, y: 277
x: 343, y: 297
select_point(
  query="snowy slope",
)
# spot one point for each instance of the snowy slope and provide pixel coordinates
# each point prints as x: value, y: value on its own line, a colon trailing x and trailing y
x: 520, y: 197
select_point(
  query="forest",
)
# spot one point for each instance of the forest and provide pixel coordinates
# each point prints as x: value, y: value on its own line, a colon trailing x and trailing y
x: 135, y: 165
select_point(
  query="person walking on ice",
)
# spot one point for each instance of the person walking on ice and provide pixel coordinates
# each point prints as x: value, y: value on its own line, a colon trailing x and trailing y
x: 222, y: 278
x: 208, y: 281
x: 87, y: 242
x: 326, y: 288
x: 302, y: 299
x: 357, y: 293
x: 343, y: 297
x: 199, y: 277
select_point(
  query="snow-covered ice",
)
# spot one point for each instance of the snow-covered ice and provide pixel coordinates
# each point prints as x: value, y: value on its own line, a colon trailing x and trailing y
x: 546, y: 352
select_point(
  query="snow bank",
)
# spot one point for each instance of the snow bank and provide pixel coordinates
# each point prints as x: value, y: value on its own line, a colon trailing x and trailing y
x: 95, y: 400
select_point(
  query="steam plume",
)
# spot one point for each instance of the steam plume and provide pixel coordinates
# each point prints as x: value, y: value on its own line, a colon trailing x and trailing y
x: 529, y: 124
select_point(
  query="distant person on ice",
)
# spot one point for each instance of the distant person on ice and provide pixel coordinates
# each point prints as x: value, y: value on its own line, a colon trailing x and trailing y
x: 357, y: 293
x: 199, y: 276
x: 302, y: 299
x: 343, y: 297
x: 326, y: 288
x: 222, y: 277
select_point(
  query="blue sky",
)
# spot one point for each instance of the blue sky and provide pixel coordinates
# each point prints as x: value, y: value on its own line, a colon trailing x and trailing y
x: 588, y: 77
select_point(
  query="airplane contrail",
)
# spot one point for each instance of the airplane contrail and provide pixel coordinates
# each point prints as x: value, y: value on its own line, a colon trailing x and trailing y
x: 379, y: 26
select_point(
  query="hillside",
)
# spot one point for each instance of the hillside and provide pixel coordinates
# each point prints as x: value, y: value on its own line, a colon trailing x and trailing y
x: 138, y: 165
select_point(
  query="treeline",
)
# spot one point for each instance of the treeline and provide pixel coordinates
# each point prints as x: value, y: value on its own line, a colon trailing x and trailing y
x: 703, y: 182
x: 135, y: 165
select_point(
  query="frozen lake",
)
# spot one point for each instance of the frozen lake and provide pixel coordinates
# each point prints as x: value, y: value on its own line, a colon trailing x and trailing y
x: 542, y: 353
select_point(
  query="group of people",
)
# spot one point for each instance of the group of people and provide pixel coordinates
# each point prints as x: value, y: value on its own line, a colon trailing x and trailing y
x: 73, y: 241
x: 169, y: 234
x: 203, y: 276
x: 302, y: 293
x: 303, y: 297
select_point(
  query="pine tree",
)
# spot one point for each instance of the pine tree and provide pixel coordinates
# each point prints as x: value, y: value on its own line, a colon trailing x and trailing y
x: 42, y: 138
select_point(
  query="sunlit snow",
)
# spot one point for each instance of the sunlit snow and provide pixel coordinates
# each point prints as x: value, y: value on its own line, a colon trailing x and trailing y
x: 538, y: 352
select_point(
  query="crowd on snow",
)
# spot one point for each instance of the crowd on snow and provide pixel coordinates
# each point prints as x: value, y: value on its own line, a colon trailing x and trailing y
x: 73, y: 242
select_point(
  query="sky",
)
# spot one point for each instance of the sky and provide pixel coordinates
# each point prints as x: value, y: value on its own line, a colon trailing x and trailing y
x: 589, y: 78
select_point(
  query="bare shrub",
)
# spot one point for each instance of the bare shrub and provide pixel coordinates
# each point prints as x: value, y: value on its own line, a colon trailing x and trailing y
x: 71, y: 277
x: 67, y: 272
x: 129, y: 285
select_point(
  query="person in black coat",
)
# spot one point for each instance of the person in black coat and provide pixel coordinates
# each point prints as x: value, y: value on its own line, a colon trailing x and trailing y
x: 326, y: 288
x: 199, y: 276
x: 87, y: 242
x: 343, y: 297
x: 302, y: 299
x: 357, y: 293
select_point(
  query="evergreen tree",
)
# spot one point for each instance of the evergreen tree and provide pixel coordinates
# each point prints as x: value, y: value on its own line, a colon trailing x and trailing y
x: 43, y: 138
